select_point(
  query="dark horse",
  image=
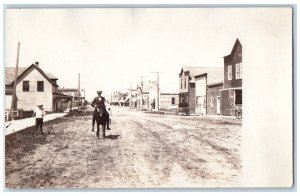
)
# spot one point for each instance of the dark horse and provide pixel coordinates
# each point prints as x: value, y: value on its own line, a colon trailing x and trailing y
x: 100, y: 116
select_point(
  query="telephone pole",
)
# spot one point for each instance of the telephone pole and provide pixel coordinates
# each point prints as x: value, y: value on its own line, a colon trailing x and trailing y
x: 130, y: 104
x: 157, y: 86
x: 142, y: 84
x: 14, y: 97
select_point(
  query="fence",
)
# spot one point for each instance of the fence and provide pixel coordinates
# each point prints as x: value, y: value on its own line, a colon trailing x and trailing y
x: 16, y: 114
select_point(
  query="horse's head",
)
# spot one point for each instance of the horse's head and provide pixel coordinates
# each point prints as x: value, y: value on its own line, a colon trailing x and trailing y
x: 100, y: 110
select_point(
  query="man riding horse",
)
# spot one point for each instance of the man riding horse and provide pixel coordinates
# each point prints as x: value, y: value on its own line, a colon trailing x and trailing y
x: 100, y: 114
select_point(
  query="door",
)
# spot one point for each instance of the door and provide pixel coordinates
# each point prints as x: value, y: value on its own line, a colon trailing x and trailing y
x: 218, y: 105
x: 201, y: 105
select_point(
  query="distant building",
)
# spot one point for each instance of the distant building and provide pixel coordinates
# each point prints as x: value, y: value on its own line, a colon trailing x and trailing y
x: 142, y: 99
x: 34, y: 86
x: 120, y: 98
x: 133, y: 97
x: 231, y: 94
x: 187, y: 86
x: 205, y: 92
x: 214, y: 98
x: 168, y: 101
x: 76, y: 98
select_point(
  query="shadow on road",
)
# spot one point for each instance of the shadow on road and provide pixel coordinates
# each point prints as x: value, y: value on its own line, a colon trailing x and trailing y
x: 112, y: 137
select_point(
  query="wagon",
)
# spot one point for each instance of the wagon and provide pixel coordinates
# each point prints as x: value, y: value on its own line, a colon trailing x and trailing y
x: 183, y: 108
x: 237, y: 111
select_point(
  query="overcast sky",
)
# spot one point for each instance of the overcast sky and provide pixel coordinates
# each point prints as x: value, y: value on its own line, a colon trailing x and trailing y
x: 112, y: 48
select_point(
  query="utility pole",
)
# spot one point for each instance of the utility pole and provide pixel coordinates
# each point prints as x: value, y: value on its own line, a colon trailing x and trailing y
x: 157, y: 86
x: 142, y: 91
x: 78, y: 91
x: 14, y: 97
x: 142, y: 84
x: 130, y: 95
x: 83, y: 95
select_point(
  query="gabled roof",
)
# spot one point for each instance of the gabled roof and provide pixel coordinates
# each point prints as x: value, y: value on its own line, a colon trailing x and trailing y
x: 10, y: 74
x: 51, y: 76
x: 235, y: 46
x: 192, y: 70
x: 215, y: 74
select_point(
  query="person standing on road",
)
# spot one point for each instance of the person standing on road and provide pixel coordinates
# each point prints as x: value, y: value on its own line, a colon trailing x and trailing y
x: 110, y: 113
x: 99, y: 101
x: 39, y: 114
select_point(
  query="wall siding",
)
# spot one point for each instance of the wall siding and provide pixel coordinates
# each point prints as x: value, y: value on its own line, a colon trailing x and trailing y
x: 8, y: 99
x: 166, y: 101
x: 184, y: 77
x: 213, y: 92
x: 200, y: 91
x: 29, y: 100
x: 236, y: 58
x: 227, y: 102
x: 227, y: 95
x: 192, y: 101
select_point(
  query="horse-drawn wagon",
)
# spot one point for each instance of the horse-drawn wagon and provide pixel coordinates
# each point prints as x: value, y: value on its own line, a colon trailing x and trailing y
x: 183, y: 108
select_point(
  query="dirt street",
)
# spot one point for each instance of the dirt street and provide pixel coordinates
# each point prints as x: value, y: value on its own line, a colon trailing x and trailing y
x: 141, y: 151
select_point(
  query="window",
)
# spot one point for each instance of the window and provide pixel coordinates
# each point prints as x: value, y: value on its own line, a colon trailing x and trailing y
x: 182, y: 100
x: 241, y: 69
x: 173, y: 100
x: 198, y: 100
x: 238, y: 70
x: 25, y: 86
x: 211, y: 102
x: 181, y: 83
x: 231, y: 100
x: 238, y: 97
x: 40, y: 86
x: 229, y: 72
x: 184, y: 83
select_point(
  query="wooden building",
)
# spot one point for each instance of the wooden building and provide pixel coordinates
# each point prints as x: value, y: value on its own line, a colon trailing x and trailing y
x: 187, y: 86
x: 214, y: 98
x: 76, y: 98
x: 205, y: 90
x: 231, y: 94
x: 168, y: 101
x: 33, y: 87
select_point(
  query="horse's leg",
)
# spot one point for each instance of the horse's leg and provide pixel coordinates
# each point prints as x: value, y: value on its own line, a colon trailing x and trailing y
x: 107, y: 121
x: 98, y: 124
x: 103, y: 130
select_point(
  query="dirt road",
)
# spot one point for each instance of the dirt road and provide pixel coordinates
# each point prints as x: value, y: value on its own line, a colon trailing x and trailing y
x: 141, y: 151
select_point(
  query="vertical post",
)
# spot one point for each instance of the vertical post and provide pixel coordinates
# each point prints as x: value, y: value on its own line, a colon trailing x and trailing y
x: 142, y: 93
x: 14, y: 97
x: 130, y: 95
x: 84, y: 96
x: 78, y: 93
x: 157, y: 91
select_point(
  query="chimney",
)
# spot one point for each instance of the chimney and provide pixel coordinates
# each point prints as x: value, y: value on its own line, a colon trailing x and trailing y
x: 37, y: 63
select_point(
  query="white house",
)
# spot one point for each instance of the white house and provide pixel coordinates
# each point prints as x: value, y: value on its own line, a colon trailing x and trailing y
x: 34, y: 86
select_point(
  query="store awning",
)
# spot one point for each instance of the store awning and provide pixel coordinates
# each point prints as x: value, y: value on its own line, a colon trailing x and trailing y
x: 60, y: 96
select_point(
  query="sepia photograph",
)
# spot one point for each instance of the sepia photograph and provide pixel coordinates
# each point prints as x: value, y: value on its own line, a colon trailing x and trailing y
x: 169, y: 97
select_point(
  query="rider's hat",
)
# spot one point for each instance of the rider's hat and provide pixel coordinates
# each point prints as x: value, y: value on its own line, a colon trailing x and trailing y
x: 99, y: 92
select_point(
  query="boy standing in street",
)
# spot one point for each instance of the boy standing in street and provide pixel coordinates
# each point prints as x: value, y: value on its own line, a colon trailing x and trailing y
x: 39, y: 114
x: 110, y: 113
